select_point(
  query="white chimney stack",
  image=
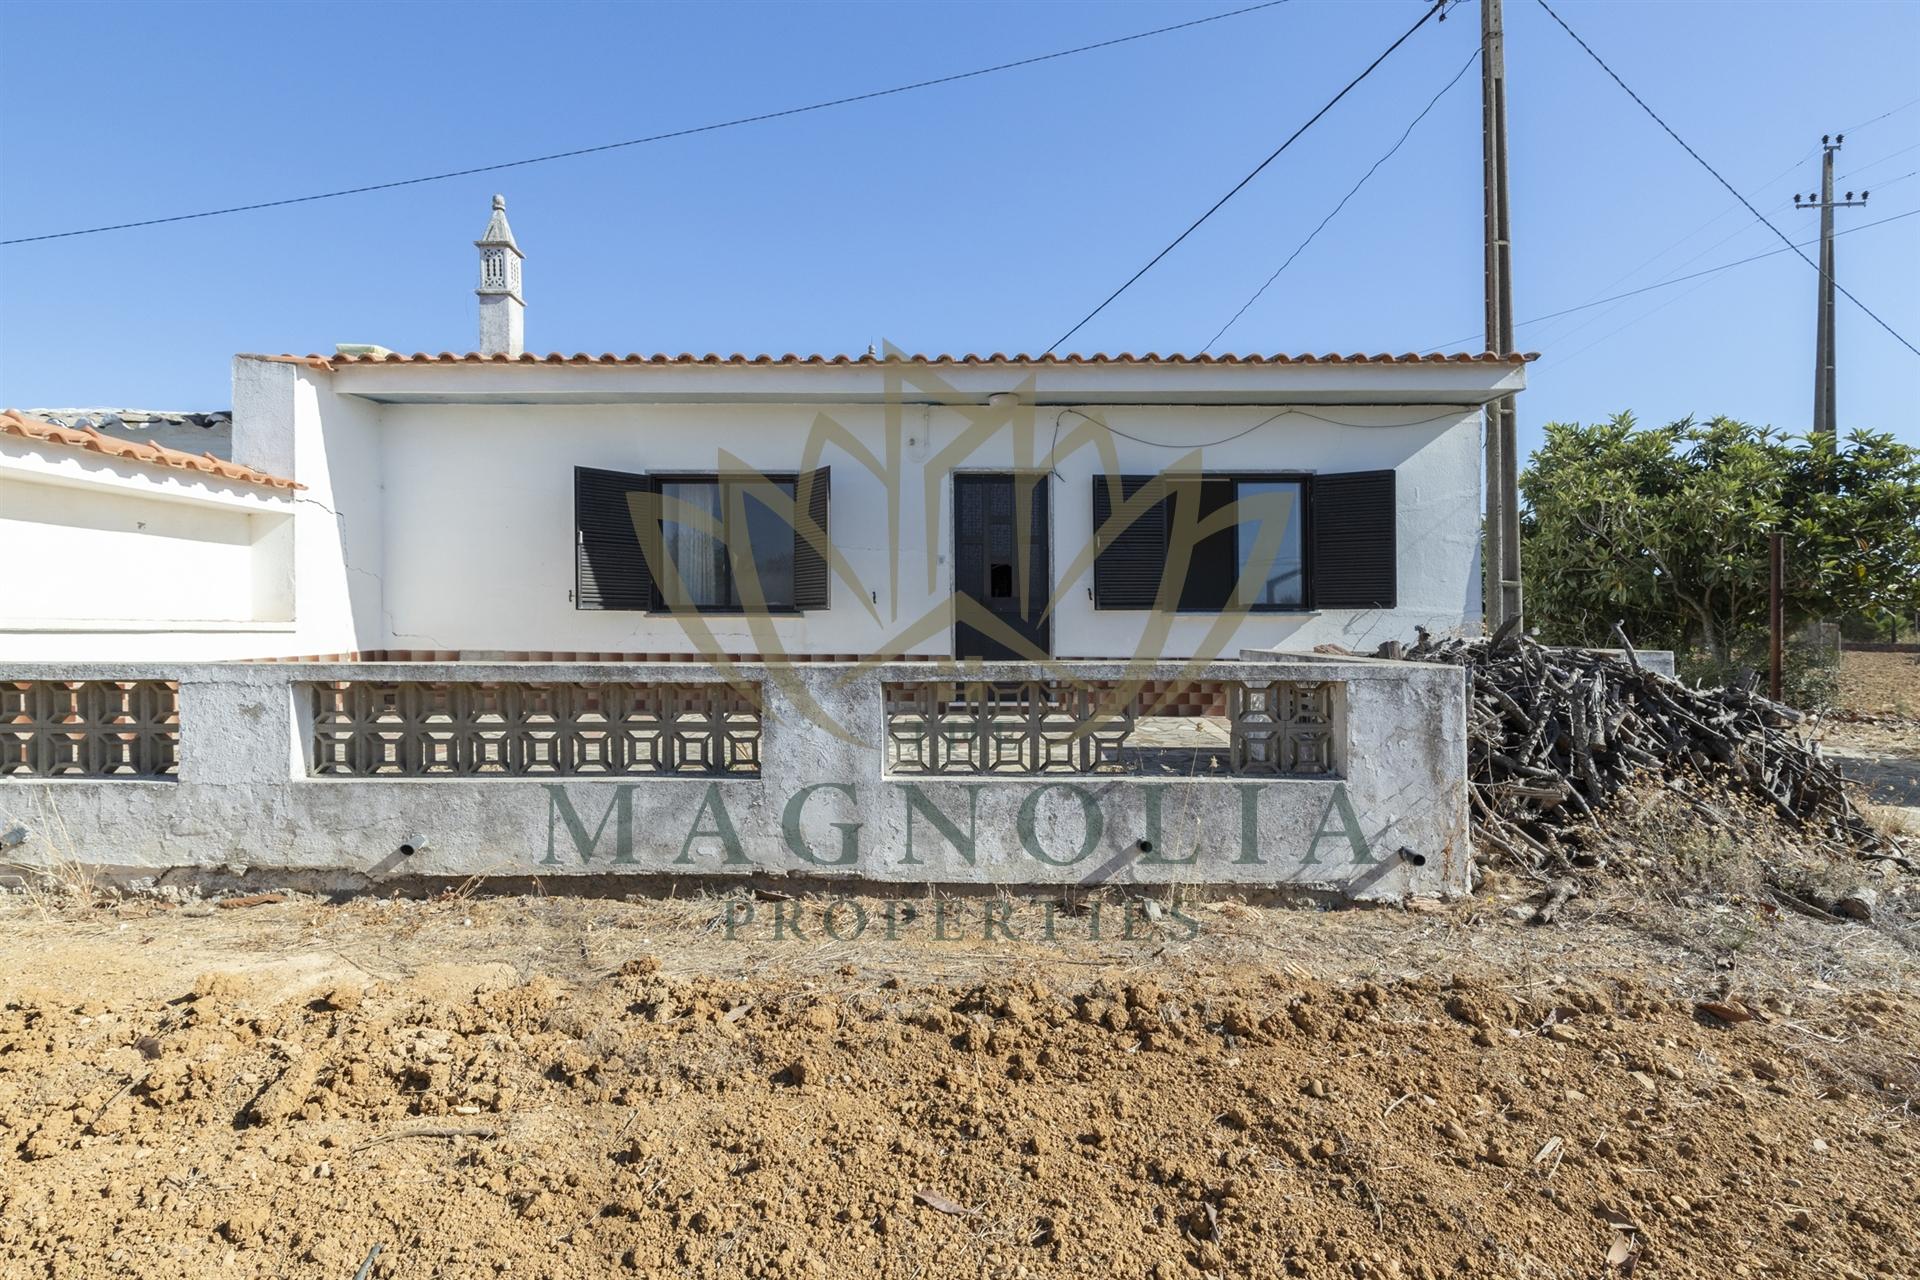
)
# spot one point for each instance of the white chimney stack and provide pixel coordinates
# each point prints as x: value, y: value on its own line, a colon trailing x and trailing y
x: 503, y: 312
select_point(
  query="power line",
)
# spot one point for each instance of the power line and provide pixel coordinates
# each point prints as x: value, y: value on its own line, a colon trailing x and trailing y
x: 1855, y: 128
x: 1882, y: 186
x: 1722, y: 181
x: 1675, y: 271
x: 1438, y: 5
x: 1625, y: 276
x: 1874, y: 164
x: 1695, y: 275
x: 1675, y: 277
x: 1559, y: 360
x: 1673, y: 280
x: 1302, y: 246
x: 657, y: 137
x: 1804, y: 156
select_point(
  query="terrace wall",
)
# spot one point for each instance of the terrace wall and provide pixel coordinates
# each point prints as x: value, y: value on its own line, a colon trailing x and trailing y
x: 1386, y: 817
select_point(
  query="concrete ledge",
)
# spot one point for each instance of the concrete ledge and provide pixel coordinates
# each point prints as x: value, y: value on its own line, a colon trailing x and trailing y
x: 118, y: 626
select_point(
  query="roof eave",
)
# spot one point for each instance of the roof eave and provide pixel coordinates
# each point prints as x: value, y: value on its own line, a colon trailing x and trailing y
x: 556, y: 379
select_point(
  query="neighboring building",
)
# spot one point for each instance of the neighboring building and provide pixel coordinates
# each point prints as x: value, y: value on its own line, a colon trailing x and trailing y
x: 525, y: 531
x: 210, y: 432
x: 110, y: 549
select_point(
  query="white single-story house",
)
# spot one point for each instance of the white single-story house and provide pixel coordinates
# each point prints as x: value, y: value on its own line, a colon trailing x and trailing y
x: 449, y: 520
x: 477, y: 505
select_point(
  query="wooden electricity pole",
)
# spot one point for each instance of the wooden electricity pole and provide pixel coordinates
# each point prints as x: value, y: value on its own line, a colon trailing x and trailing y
x: 1502, y: 581
x: 1823, y: 397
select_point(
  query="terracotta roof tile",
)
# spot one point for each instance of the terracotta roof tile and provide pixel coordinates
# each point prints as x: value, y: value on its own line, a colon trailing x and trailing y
x: 15, y: 423
x: 311, y: 362
x: 996, y: 358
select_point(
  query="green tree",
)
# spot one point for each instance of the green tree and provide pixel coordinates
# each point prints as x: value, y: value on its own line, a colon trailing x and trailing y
x: 1665, y: 529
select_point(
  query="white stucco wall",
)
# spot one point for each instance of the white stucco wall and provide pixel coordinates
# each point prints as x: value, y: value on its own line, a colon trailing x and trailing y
x: 104, y: 557
x: 289, y: 421
x: 478, y: 519
x: 86, y: 554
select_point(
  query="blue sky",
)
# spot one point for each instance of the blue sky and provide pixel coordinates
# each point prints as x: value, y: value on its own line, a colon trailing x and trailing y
x: 985, y: 215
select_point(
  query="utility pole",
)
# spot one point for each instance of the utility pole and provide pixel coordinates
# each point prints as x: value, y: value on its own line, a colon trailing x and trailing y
x: 1823, y: 376
x: 1776, y: 612
x: 1502, y: 582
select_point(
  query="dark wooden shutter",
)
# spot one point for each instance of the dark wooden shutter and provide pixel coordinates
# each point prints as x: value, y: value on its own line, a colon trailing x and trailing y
x: 812, y: 582
x: 1354, y: 558
x: 1127, y: 566
x: 609, y: 567
x: 1213, y: 566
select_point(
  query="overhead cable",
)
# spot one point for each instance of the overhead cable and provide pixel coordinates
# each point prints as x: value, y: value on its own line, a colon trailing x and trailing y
x: 1257, y: 169
x: 1694, y: 275
x: 734, y: 123
x: 1701, y: 161
x: 1302, y: 246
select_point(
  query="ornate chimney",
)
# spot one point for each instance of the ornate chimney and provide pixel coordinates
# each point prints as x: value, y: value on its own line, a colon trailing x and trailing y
x: 503, y: 312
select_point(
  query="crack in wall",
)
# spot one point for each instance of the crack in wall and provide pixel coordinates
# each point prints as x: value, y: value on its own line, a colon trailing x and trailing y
x: 380, y: 584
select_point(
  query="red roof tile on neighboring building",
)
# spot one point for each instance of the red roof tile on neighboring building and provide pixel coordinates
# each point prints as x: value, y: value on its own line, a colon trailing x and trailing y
x: 15, y: 423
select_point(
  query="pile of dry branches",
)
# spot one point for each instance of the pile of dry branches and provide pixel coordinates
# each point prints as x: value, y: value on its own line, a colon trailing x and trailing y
x: 1555, y: 736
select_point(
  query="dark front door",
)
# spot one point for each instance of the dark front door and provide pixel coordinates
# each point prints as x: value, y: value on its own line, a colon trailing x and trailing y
x: 998, y: 611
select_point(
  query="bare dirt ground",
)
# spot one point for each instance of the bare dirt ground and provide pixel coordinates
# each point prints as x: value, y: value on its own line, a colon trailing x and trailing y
x: 1876, y: 732
x: 566, y: 1088
x: 1881, y: 684
x: 1682, y: 1076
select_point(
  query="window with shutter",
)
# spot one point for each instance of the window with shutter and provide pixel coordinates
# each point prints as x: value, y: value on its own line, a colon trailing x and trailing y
x: 610, y: 566
x: 1354, y: 554
x: 720, y: 543
x: 1220, y: 569
x: 1128, y: 560
x: 812, y: 582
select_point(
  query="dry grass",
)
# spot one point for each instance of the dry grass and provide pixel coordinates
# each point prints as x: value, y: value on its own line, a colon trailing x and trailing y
x: 58, y: 879
x: 1897, y: 821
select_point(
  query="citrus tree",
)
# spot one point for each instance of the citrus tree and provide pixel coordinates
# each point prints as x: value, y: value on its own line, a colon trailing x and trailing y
x: 1665, y: 529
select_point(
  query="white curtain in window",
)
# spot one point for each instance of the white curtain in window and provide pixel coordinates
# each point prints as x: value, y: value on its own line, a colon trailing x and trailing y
x: 694, y: 540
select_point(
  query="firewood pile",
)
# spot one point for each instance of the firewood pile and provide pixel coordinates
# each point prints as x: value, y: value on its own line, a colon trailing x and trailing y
x: 1556, y: 736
